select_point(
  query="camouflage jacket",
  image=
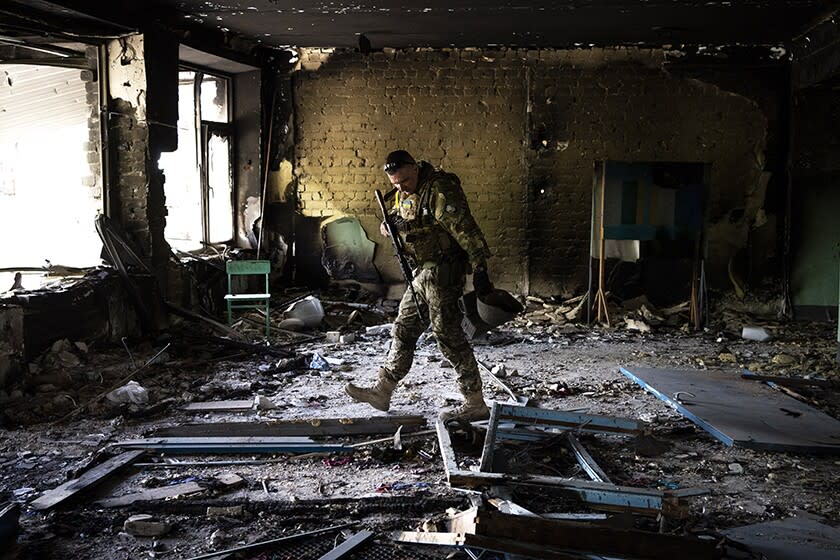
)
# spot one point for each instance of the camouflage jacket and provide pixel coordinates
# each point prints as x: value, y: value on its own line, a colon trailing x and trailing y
x: 436, y: 224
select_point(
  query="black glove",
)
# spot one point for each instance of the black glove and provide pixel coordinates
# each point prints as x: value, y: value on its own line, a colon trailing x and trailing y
x: 481, y: 282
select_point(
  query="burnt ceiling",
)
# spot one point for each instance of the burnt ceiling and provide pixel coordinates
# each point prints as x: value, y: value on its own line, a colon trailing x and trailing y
x: 479, y: 23
x: 441, y: 23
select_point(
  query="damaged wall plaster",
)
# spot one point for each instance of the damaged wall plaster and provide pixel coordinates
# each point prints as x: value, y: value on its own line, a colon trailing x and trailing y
x: 248, y: 171
x: 137, y: 200
x: 477, y: 113
x: 127, y: 72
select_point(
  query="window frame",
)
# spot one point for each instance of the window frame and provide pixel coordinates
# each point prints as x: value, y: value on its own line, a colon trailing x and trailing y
x: 204, y: 129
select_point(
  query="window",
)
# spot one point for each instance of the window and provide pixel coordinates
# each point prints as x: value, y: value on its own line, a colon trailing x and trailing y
x: 50, y: 179
x: 199, y: 179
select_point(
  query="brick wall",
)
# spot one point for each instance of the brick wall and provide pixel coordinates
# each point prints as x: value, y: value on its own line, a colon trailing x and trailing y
x: 620, y: 105
x: 91, y: 77
x: 522, y: 129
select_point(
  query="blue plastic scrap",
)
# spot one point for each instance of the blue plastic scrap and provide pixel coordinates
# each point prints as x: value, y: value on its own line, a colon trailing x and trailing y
x: 318, y: 363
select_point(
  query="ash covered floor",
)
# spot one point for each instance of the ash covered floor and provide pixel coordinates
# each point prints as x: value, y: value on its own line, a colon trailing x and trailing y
x: 555, y: 362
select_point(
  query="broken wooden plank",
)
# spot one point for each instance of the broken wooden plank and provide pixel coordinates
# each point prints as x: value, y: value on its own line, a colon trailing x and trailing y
x: 153, y: 495
x: 741, y: 413
x: 244, y: 405
x: 304, y: 427
x: 219, y: 445
x: 87, y: 480
x: 348, y: 546
x: 594, y: 539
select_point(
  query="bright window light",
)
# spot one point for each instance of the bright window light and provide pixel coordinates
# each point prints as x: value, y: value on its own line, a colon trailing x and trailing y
x: 50, y: 190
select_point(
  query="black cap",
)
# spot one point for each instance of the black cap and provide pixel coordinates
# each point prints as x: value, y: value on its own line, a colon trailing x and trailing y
x: 397, y: 159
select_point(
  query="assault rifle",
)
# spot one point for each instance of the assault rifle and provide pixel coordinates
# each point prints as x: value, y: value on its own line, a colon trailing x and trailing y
x: 396, y: 241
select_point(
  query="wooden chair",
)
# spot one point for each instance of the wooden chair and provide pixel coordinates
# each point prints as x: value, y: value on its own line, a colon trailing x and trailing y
x: 248, y: 300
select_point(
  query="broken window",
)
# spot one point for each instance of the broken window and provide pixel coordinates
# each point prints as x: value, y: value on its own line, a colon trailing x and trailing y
x: 199, y: 180
x: 50, y: 180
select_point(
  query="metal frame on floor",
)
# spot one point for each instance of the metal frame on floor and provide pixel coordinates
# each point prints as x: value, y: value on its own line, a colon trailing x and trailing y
x: 601, y: 495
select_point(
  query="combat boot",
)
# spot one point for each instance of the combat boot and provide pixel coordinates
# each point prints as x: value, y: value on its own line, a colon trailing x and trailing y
x: 473, y: 409
x: 378, y: 396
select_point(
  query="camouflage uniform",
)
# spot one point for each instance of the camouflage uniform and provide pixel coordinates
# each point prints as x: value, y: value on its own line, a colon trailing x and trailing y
x: 442, y: 238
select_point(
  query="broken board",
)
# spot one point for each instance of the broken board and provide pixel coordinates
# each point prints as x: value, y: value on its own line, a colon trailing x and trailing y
x: 742, y: 413
x: 219, y: 445
x: 305, y: 427
x: 790, y: 539
x: 87, y: 480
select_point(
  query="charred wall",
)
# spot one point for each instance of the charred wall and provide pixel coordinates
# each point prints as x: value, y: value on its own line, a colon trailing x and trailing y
x: 523, y: 129
x: 462, y: 110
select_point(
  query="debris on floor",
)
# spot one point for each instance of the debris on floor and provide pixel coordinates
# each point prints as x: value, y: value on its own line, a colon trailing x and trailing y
x: 248, y: 444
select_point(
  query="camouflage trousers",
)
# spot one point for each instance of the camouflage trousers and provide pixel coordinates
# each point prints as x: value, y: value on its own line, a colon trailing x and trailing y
x: 438, y: 290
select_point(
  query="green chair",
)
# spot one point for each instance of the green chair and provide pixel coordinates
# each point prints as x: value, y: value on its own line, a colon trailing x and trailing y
x: 248, y: 300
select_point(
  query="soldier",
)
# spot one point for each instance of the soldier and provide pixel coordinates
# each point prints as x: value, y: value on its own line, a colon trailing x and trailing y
x: 444, y: 242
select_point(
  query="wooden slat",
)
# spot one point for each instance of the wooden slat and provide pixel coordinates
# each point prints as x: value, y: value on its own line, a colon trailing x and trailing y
x: 310, y: 427
x: 86, y: 481
x: 218, y: 445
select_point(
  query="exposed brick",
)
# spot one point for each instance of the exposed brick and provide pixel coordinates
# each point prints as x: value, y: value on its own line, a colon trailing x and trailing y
x: 476, y: 113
